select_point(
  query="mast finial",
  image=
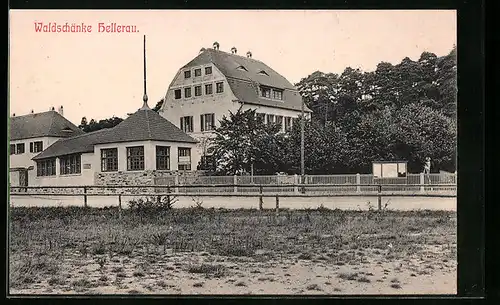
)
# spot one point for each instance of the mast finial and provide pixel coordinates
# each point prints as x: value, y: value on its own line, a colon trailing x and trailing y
x: 145, y: 97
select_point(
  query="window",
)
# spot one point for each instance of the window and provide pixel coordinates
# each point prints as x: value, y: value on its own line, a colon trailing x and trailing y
x: 12, y: 149
x: 187, y: 92
x: 70, y: 165
x: 277, y: 94
x: 207, y: 121
x: 187, y: 124
x: 209, y: 89
x: 265, y: 92
x: 177, y: 94
x: 279, y: 121
x: 46, y: 167
x: 20, y: 148
x: 36, y: 146
x: 184, y: 158
x: 270, y: 118
x: 135, y: 158
x: 295, y: 121
x: 197, y: 90
x: 162, y: 157
x: 208, y: 70
x: 288, y: 123
x: 109, y: 160
x: 197, y: 72
x: 219, y: 87
x: 187, y: 74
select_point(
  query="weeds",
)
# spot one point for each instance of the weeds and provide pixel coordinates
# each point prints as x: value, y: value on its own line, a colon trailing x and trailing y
x: 50, y: 235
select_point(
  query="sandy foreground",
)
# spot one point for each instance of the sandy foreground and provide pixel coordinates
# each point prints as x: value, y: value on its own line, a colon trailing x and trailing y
x: 183, y: 273
x: 211, y: 251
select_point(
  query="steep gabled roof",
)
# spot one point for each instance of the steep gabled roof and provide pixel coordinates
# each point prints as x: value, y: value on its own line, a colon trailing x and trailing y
x: 244, y: 82
x: 143, y: 125
x: 146, y: 124
x: 44, y: 124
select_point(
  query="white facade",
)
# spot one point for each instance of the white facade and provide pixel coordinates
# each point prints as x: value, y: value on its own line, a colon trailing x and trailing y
x: 23, y: 160
x: 90, y: 163
x: 218, y: 104
x: 149, y: 154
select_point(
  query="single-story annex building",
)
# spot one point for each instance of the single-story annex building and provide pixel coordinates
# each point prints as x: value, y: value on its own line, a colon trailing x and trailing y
x: 142, y: 147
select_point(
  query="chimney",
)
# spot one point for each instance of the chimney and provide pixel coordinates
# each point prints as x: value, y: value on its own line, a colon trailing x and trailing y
x: 32, y: 111
x: 249, y: 54
x: 234, y: 50
x: 13, y: 114
x: 61, y: 110
x: 52, y: 109
x: 201, y: 50
x: 216, y: 45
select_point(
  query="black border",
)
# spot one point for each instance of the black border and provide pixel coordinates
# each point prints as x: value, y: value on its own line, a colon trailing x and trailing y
x: 470, y: 205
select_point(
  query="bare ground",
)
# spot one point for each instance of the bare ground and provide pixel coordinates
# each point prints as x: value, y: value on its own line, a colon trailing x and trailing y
x: 78, y: 251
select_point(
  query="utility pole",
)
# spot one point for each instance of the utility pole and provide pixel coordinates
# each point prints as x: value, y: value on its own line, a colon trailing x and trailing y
x: 302, y: 166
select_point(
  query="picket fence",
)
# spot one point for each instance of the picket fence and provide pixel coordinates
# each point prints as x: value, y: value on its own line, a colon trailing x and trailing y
x: 353, y: 183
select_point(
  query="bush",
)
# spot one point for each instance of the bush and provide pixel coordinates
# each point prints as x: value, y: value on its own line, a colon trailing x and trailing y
x: 152, y: 204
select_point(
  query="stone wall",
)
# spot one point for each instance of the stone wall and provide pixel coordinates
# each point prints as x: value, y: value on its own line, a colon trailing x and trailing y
x: 138, y: 178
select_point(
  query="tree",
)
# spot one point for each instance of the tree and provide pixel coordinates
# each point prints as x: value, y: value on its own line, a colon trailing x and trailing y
x: 158, y: 105
x: 93, y: 125
x: 83, y: 124
x: 242, y: 139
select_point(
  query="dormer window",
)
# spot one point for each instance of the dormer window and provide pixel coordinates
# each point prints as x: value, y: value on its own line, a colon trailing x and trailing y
x: 262, y: 72
x: 271, y: 93
x: 242, y: 68
x: 266, y: 92
x: 277, y: 94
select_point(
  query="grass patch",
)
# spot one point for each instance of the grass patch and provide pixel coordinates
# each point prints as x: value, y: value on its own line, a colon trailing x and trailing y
x: 348, y: 276
x: 208, y: 269
x: 314, y: 287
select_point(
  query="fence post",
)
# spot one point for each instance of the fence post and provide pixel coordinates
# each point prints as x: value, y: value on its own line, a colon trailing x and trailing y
x: 235, y: 181
x: 380, y: 197
x: 422, y: 182
x: 277, y: 204
x: 261, y: 200
x: 295, y: 182
x: 358, y: 182
x: 85, y: 196
x: 168, y: 192
x: 120, y: 206
x: 176, y: 184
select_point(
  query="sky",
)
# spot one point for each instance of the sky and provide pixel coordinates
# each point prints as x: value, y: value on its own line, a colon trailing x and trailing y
x: 99, y: 75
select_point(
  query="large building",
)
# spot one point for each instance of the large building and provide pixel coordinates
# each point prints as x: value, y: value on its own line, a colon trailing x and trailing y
x: 216, y: 82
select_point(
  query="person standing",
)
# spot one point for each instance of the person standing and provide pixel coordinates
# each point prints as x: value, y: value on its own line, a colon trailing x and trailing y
x: 427, y: 168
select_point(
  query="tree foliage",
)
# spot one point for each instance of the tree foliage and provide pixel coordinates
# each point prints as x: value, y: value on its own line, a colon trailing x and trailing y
x: 242, y: 140
x: 93, y: 125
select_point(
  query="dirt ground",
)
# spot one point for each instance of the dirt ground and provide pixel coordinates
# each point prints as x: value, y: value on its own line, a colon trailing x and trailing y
x: 415, y: 254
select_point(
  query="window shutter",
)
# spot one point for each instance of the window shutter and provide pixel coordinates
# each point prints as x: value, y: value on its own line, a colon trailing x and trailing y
x: 31, y: 147
x: 182, y: 127
x: 202, y: 123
